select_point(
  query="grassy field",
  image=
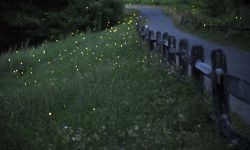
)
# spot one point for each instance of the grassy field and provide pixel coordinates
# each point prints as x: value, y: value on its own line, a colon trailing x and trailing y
x: 99, y: 91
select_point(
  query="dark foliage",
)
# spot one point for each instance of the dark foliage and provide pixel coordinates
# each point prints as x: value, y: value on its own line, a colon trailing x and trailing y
x: 23, y: 20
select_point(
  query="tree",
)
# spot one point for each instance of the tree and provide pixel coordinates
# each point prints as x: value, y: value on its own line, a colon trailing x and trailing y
x: 216, y: 8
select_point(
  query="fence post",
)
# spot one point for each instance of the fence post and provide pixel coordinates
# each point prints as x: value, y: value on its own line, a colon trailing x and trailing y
x: 220, y: 96
x: 171, y: 49
x: 164, y: 44
x: 144, y: 32
x: 151, y: 40
x: 138, y: 28
x: 183, y: 54
x: 158, y: 41
x: 197, y: 54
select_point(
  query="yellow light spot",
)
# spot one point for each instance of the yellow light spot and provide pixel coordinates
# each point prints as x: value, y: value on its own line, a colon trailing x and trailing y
x: 50, y: 113
x: 94, y: 109
x: 44, y: 51
x: 8, y: 59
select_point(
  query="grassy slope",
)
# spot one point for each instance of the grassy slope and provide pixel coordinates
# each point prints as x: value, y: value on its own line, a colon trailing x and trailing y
x: 98, y: 91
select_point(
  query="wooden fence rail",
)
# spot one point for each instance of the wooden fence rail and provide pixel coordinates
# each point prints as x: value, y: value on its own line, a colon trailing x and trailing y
x: 223, y: 84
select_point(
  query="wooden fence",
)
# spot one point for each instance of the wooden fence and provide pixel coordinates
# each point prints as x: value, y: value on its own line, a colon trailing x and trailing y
x: 223, y: 83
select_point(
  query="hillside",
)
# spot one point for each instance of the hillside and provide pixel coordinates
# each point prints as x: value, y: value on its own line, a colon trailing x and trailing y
x: 99, y: 91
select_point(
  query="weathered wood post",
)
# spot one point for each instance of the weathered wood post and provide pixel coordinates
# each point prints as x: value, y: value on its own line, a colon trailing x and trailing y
x: 220, y: 97
x: 197, y: 54
x: 183, y: 55
x: 138, y: 28
x: 171, y: 49
x: 165, y: 44
x: 143, y: 32
x: 158, y: 41
x: 151, y: 40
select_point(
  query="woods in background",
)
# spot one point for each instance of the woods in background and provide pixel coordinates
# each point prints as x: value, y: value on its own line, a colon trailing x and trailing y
x: 23, y: 20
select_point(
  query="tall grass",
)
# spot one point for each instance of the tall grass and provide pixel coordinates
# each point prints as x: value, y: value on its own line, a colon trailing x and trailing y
x: 98, y: 91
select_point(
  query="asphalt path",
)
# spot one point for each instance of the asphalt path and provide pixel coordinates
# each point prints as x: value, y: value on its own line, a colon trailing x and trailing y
x: 238, y: 62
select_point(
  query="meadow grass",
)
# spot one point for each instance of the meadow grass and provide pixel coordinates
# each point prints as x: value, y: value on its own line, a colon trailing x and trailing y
x: 99, y: 91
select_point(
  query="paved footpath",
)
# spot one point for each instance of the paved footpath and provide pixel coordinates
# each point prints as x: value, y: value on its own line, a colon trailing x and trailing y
x: 238, y: 62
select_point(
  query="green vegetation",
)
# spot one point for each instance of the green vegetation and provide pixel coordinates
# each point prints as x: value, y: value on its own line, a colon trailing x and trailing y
x: 33, y: 20
x: 240, y: 125
x: 236, y: 41
x: 98, y: 91
x: 201, y: 20
x: 151, y: 2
